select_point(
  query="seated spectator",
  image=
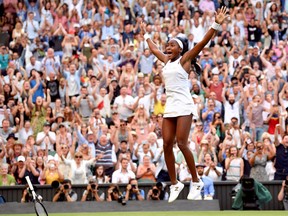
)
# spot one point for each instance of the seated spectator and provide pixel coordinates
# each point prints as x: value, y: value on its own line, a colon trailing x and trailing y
x: 65, y: 193
x: 19, y: 170
x: 92, y: 193
x: 146, y: 171
x: 100, y: 175
x: 123, y: 174
x: 146, y: 151
x: 131, y: 165
x: 5, y: 178
x: 208, y: 189
x: 211, y: 169
x: 51, y: 171
x: 133, y: 192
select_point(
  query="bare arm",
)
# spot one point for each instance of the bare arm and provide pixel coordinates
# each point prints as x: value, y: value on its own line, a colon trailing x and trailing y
x: 191, y: 54
x: 153, y: 47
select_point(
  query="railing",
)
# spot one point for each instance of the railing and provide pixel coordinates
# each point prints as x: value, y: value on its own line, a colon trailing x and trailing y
x: 222, y: 192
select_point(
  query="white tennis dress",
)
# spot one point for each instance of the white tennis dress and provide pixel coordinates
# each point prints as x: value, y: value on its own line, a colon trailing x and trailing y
x: 179, y: 101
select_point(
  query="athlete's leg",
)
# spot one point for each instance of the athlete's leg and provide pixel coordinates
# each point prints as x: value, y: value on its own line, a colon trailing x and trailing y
x: 182, y: 134
x: 168, y: 133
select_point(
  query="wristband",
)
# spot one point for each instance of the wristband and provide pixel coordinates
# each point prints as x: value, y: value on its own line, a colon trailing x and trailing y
x: 146, y: 36
x: 215, y: 26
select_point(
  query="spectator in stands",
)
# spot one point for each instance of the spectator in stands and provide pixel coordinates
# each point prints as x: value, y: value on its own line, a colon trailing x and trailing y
x: 46, y: 138
x: 208, y: 189
x: 5, y: 178
x: 51, y: 171
x: 234, y: 165
x: 146, y: 171
x: 258, y: 162
x: 65, y: 193
x: 100, y: 175
x: 78, y: 174
x: 211, y: 169
x: 123, y: 174
x: 281, y: 158
x: 31, y: 27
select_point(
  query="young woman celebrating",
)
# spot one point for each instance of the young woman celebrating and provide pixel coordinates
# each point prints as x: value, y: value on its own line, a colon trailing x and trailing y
x: 179, y: 106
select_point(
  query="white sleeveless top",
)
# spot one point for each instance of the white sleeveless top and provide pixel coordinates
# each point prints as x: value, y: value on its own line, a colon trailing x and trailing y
x: 179, y: 100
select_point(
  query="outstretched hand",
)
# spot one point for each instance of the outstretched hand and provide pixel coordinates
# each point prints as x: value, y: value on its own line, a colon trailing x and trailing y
x: 221, y: 15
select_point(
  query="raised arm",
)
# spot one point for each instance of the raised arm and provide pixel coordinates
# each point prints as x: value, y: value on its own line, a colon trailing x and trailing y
x: 191, y: 54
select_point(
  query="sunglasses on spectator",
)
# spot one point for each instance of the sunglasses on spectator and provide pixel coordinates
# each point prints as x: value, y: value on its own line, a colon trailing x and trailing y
x: 61, y: 126
x: 78, y: 157
x: 64, y: 147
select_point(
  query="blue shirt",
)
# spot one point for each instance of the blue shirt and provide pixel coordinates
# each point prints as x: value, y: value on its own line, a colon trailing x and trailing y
x: 4, y: 60
x: 208, y: 186
x: 133, y: 196
x: 209, y: 118
x: 39, y: 91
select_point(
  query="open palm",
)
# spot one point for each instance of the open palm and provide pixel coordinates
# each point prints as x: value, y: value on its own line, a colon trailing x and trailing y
x: 221, y: 15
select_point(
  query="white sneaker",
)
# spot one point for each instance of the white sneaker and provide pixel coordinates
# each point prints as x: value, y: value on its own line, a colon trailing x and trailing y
x: 195, y: 191
x: 175, y: 191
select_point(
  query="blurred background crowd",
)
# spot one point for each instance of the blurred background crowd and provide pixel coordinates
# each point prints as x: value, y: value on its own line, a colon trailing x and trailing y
x: 82, y: 98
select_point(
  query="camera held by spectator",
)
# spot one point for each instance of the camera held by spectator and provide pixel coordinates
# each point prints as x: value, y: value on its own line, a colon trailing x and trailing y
x: 64, y: 192
x: 92, y: 193
x: 114, y: 194
x: 157, y: 192
x: 133, y: 192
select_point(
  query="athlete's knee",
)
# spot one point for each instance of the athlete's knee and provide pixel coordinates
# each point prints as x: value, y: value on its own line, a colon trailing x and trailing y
x: 168, y: 146
x: 182, y: 144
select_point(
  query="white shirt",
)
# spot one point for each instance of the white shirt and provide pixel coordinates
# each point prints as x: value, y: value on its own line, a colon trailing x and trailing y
x: 123, y: 111
x: 41, y: 135
x: 122, y: 177
x: 51, y: 64
x: 213, y: 175
x: 31, y: 27
x: 231, y: 111
x: 198, y: 32
x: 36, y: 66
x: 23, y: 135
x: 145, y: 101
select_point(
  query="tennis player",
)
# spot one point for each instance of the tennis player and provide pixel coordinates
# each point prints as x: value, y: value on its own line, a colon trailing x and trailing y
x: 179, y: 105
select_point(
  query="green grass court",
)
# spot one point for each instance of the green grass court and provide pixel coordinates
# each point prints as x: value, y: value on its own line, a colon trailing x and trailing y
x: 172, y: 213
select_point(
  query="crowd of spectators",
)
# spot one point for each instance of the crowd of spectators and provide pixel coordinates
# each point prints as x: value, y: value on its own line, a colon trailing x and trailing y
x: 82, y: 98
